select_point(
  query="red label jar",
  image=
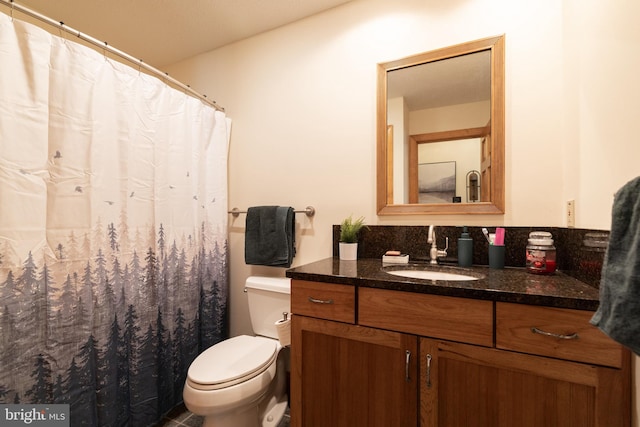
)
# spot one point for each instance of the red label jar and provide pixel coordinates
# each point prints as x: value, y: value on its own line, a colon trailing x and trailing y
x: 541, y: 254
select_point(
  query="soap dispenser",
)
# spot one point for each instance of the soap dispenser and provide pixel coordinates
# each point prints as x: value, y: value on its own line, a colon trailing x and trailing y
x: 465, y: 249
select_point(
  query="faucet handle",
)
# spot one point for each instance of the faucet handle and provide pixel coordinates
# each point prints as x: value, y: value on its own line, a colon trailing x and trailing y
x: 440, y: 253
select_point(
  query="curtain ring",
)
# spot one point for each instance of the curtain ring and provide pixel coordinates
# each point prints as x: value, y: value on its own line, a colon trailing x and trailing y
x: 11, y: 14
x: 62, y: 30
x: 104, y: 50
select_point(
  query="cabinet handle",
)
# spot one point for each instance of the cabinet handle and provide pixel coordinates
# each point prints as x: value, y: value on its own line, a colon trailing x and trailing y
x: 407, y: 377
x: 573, y: 336
x: 320, y: 301
x: 429, y: 370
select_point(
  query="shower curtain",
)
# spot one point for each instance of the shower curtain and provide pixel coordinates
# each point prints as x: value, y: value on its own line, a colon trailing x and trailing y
x: 113, y: 231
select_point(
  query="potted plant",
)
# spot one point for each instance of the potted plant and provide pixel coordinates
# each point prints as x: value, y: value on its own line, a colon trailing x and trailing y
x: 348, y: 245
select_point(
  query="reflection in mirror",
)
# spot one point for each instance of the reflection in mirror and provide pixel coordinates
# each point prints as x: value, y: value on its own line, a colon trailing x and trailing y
x: 441, y: 131
x: 472, y: 182
x: 464, y: 148
x: 442, y: 171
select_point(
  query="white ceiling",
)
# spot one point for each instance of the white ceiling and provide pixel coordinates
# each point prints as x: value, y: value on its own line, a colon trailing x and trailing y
x: 162, y: 32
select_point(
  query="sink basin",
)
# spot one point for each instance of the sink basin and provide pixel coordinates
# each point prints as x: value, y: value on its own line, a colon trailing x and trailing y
x: 434, y: 275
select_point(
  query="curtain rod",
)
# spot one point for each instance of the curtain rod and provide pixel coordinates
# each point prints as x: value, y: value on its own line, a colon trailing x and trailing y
x: 105, y: 46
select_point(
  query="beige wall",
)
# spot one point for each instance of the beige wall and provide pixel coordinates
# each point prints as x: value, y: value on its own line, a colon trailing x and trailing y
x: 302, y: 99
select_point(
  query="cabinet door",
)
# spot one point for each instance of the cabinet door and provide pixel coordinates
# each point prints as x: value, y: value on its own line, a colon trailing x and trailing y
x: 348, y: 376
x: 469, y: 386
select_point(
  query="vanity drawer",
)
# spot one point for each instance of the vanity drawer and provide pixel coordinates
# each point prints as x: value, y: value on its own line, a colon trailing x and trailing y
x: 323, y: 300
x: 554, y: 332
x: 450, y: 318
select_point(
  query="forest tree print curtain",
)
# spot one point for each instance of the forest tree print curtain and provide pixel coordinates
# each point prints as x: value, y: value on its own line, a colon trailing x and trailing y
x: 113, y: 231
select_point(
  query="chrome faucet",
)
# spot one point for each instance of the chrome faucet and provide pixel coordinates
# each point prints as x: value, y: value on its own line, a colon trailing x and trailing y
x: 436, y: 253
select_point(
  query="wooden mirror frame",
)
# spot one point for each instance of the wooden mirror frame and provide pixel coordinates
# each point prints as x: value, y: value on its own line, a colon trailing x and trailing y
x: 497, y: 136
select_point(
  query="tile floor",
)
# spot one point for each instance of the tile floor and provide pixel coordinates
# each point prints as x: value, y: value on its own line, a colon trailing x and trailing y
x: 181, y: 417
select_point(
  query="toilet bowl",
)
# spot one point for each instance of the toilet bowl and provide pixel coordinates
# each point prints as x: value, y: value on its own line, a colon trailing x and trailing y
x: 241, y: 382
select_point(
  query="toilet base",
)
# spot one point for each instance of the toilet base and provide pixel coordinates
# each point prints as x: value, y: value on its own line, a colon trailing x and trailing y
x: 249, y: 417
x: 267, y: 411
x: 246, y: 418
x: 275, y: 413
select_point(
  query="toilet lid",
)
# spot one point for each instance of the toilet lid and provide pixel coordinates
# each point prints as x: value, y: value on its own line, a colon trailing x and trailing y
x: 233, y: 359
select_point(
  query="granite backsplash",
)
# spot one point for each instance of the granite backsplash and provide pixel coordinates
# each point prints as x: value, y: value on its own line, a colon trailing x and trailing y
x: 584, y: 262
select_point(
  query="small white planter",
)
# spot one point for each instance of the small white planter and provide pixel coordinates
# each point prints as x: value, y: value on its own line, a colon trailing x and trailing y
x: 348, y: 251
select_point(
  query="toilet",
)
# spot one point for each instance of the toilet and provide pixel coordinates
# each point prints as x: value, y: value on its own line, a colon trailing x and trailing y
x: 241, y: 381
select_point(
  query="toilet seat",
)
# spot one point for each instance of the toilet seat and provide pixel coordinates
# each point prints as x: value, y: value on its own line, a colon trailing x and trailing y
x: 231, y: 362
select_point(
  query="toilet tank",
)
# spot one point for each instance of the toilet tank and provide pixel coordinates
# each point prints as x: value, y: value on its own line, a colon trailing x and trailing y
x: 268, y: 298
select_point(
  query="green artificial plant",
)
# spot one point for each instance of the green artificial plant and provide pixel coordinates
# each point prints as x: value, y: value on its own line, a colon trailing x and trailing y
x: 349, y: 229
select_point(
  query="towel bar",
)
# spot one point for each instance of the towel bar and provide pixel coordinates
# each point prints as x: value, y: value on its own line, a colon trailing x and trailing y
x: 309, y: 211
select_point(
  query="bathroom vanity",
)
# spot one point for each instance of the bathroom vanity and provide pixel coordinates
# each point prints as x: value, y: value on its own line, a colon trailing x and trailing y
x: 510, y: 349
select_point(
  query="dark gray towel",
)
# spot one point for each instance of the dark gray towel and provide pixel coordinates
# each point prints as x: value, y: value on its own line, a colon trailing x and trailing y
x: 270, y: 236
x: 619, y: 312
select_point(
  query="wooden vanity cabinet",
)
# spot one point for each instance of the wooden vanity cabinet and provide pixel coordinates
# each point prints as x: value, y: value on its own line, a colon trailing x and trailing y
x: 343, y: 374
x: 481, y: 363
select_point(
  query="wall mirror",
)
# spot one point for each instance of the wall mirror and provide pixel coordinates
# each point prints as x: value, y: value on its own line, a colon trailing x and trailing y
x: 440, y: 131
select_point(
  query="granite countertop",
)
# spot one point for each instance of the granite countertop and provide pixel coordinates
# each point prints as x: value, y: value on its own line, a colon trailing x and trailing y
x: 507, y: 285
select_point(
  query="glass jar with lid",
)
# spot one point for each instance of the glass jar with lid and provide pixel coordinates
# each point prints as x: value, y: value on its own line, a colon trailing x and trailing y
x: 541, y: 253
x: 594, y: 246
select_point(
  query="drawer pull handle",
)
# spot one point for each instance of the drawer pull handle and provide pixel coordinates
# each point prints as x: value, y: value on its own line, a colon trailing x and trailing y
x: 551, y: 334
x: 407, y: 361
x: 429, y: 370
x: 320, y: 301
